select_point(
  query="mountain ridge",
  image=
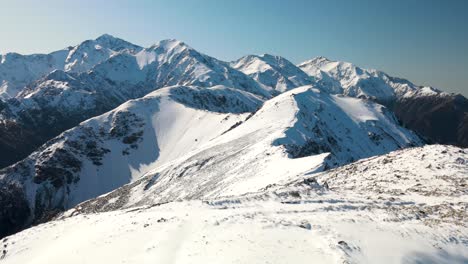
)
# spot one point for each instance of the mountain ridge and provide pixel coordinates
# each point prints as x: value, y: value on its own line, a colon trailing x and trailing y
x: 146, y: 135
x: 182, y: 153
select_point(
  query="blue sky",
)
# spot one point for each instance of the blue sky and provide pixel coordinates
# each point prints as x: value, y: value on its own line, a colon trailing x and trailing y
x: 425, y: 41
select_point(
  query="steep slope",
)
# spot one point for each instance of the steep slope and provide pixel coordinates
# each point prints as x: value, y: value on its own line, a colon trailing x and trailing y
x: 300, y: 131
x: 113, y: 149
x: 410, y: 204
x: 437, y: 116
x: 17, y: 71
x: 440, y: 117
x: 61, y: 100
x: 272, y: 72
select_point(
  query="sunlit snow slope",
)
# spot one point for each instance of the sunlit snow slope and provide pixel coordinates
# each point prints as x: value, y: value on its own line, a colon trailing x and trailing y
x: 410, y: 207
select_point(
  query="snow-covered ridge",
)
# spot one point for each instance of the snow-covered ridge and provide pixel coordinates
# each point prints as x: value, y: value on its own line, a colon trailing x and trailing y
x: 193, y: 142
x: 356, y: 81
x: 180, y: 149
x: 116, y: 71
x: 298, y: 132
x: 416, y: 210
x: 105, y: 152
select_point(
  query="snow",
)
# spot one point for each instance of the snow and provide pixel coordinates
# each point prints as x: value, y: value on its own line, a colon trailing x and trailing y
x: 345, y: 78
x: 18, y: 71
x: 292, y: 223
x: 203, y: 142
x: 249, y: 161
x: 359, y: 111
x: 424, y: 176
x: 428, y: 91
x: 256, y: 152
x: 254, y: 67
x: 180, y: 130
x: 272, y: 72
x: 145, y: 58
x: 425, y: 92
x: 171, y: 123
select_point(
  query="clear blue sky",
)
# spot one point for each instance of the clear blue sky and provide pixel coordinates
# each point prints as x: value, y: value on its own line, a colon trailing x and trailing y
x: 425, y: 41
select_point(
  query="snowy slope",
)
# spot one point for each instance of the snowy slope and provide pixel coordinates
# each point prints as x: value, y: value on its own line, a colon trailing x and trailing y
x: 105, y: 152
x: 17, y: 71
x: 298, y: 132
x: 318, y: 221
x: 273, y: 72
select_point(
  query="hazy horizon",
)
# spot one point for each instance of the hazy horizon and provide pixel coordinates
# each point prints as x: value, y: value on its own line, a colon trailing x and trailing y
x: 425, y: 42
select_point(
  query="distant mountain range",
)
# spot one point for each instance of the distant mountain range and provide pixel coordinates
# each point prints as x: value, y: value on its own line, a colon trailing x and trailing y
x: 109, y: 125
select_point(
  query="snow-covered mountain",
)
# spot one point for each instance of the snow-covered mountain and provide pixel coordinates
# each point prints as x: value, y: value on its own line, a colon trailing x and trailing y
x: 183, y: 65
x: 312, y: 155
x: 355, y: 81
x: 298, y: 132
x: 92, y: 52
x: 195, y: 142
x: 410, y: 204
x: 438, y: 116
x: 17, y: 71
x: 273, y: 72
x: 98, y: 75
x: 45, y: 94
x: 62, y: 99
x: 105, y: 152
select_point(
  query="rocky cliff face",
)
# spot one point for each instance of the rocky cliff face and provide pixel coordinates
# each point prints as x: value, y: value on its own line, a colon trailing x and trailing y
x: 438, y: 118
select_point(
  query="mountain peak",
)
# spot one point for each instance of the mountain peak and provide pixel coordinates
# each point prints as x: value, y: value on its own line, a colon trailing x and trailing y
x: 105, y: 36
x: 170, y: 44
x: 315, y: 61
x: 116, y: 44
x: 270, y: 56
x: 321, y: 58
x: 264, y: 57
x: 272, y: 71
